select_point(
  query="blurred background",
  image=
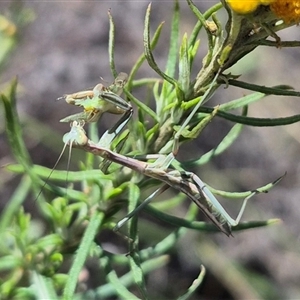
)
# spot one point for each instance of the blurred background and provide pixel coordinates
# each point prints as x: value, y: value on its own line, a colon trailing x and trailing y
x: 61, y: 47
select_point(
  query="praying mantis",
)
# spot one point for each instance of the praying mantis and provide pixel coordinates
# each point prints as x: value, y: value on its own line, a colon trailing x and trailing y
x: 186, y: 182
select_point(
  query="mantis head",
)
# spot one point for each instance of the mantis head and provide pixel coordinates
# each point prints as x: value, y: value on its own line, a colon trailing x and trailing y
x: 76, y: 135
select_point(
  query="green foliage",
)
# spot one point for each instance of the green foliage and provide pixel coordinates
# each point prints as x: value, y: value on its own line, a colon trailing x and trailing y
x: 31, y: 260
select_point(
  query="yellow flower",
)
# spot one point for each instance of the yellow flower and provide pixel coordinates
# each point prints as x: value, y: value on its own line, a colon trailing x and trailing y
x: 287, y: 10
x: 247, y: 6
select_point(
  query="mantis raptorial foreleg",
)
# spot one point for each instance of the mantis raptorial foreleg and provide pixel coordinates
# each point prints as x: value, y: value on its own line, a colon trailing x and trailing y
x: 141, y: 206
x: 93, y: 103
x: 96, y: 102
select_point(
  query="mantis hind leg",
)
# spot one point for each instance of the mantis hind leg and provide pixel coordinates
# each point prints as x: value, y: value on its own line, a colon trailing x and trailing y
x: 141, y: 206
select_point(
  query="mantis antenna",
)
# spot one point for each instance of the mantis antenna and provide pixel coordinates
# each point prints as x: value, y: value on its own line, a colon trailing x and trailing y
x: 76, y: 135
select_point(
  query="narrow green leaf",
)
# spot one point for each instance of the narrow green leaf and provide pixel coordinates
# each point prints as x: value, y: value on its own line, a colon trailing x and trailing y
x: 210, y: 39
x: 239, y: 195
x: 134, y: 260
x: 61, y: 175
x: 184, y: 66
x: 14, y: 203
x: 10, y: 263
x: 42, y: 286
x: 115, y: 283
x: 173, y: 47
x: 141, y: 105
x: 120, y: 289
x: 82, y: 253
x: 250, y: 121
x: 203, y: 226
x: 51, y: 240
x: 142, y: 58
x: 227, y: 141
x: 196, y: 283
x: 241, y: 102
x: 256, y: 224
x: 165, y: 96
x: 111, y: 45
x: 179, y: 222
x: 14, y: 134
x: 109, y: 290
x: 192, y: 52
x: 279, y: 90
x: 148, y: 51
x: 234, y: 104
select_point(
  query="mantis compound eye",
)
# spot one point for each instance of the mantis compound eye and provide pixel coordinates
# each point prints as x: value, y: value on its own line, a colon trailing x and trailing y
x: 121, y: 79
